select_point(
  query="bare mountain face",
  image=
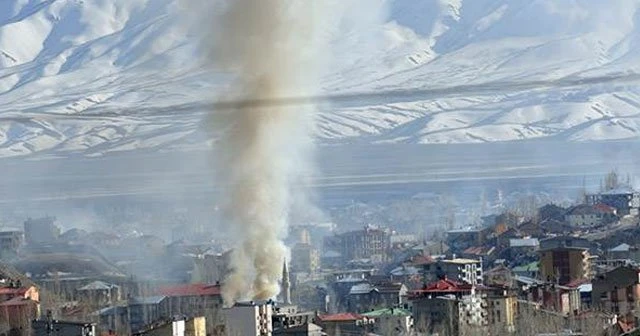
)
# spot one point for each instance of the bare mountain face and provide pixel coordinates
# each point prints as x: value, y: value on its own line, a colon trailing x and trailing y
x: 98, y: 76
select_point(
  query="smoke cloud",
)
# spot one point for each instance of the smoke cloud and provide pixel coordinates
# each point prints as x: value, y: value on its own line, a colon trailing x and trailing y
x: 271, y: 48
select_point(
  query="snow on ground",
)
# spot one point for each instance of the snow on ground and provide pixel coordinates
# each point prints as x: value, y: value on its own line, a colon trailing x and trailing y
x: 98, y: 76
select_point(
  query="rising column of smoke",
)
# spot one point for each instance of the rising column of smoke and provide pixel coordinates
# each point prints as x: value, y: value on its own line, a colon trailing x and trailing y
x: 271, y: 45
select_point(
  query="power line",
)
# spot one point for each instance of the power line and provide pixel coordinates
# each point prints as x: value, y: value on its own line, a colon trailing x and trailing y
x: 348, y: 99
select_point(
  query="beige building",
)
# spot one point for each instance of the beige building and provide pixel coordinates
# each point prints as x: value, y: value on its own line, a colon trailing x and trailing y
x: 304, y: 258
x: 563, y: 265
x: 502, y: 311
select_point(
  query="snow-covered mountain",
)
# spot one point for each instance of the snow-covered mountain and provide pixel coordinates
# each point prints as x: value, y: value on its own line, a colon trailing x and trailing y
x: 96, y: 76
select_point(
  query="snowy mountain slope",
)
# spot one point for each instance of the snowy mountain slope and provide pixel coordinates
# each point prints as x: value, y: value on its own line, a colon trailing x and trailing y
x: 89, y: 76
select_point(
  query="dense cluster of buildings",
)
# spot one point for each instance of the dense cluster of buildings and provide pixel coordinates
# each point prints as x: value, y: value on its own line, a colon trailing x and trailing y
x: 564, y: 270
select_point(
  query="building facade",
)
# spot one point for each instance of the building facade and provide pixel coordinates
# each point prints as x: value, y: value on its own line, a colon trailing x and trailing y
x: 41, y: 231
x: 442, y: 306
x: 468, y: 271
x: 563, y: 265
x: 345, y: 324
x: 194, y: 300
x: 367, y: 296
x: 391, y: 321
x: 369, y: 243
x: 143, y: 311
x: 584, y: 215
x: 304, y: 258
x: 249, y: 319
x: 625, y: 200
x: 617, y: 291
x: 10, y: 242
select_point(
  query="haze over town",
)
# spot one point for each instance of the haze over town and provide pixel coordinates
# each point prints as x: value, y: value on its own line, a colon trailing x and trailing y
x: 345, y: 167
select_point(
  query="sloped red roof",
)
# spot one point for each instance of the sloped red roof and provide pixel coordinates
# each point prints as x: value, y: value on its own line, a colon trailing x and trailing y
x: 605, y: 208
x: 446, y: 286
x: 576, y: 283
x: 190, y: 290
x: 13, y: 290
x: 340, y: 317
x: 17, y: 301
x: 625, y: 327
x: 584, y: 209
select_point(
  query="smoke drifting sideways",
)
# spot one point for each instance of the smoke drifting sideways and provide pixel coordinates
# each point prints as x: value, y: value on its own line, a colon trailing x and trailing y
x: 272, y: 49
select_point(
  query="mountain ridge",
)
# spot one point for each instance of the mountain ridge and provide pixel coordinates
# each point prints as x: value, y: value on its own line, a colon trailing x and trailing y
x: 84, y: 76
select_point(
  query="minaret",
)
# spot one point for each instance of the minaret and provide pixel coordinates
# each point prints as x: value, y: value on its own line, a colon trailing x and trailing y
x: 286, y: 284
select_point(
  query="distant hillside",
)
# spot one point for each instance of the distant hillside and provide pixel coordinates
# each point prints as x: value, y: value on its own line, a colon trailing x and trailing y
x: 126, y: 59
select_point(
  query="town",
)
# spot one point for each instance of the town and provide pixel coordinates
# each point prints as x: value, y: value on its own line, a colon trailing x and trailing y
x: 557, y: 270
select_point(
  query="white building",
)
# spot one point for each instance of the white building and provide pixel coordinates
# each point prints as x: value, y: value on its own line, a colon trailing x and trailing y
x: 473, y: 309
x: 250, y: 318
x: 591, y: 215
x: 464, y: 270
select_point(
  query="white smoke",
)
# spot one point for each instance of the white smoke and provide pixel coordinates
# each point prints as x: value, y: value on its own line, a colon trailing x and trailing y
x: 273, y: 49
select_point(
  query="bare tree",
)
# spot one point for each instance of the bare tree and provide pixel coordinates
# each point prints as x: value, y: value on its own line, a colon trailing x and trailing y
x: 611, y: 181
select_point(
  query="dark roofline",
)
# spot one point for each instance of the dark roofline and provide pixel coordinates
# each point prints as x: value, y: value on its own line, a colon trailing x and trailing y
x: 83, y: 324
x: 563, y: 248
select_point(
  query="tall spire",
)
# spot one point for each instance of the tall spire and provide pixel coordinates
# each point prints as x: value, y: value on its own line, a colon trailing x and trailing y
x: 286, y: 284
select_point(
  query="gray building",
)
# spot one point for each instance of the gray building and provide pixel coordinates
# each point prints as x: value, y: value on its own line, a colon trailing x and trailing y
x: 288, y: 320
x: 10, y: 242
x: 145, y: 310
x: 625, y: 200
x: 370, y: 243
x: 368, y: 296
x: 41, y: 230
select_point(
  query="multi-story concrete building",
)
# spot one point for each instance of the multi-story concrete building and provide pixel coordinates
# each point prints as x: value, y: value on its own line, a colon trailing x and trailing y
x: 564, y: 260
x: 446, y: 305
x: 461, y: 239
x: 369, y: 243
x: 625, y: 200
x: 468, y: 271
x: 304, y: 258
x: 288, y: 320
x: 617, y: 291
x: 41, y: 230
x: 10, y: 242
x: 502, y: 308
x: 249, y: 319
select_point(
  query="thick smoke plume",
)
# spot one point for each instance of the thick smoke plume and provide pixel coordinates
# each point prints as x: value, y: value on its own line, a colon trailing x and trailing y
x: 270, y: 47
